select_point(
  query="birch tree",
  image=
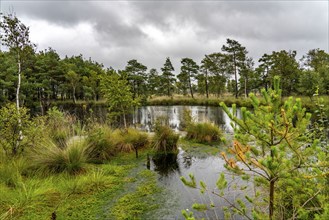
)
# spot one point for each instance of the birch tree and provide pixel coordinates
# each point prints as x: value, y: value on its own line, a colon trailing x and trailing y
x: 15, y: 36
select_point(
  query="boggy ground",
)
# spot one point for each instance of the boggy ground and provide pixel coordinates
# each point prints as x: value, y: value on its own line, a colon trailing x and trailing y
x: 123, y: 188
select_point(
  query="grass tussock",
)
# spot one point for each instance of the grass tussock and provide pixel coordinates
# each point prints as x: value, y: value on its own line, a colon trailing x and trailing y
x: 53, y: 159
x: 104, y: 143
x: 164, y: 139
x: 131, y: 139
x: 203, y: 132
x: 59, y: 126
x: 200, y: 132
x: 100, y: 144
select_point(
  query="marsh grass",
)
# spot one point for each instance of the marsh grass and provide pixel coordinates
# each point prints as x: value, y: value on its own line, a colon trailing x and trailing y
x: 54, y: 175
x: 198, y: 100
x: 28, y: 197
x: 12, y: 171
x: 130, y: 140
x: 60, y: 126
x: 100, y: 144
x: 53, y: 159
x: 203, y: 132
x: 104, y: 143
x: 164, y: 139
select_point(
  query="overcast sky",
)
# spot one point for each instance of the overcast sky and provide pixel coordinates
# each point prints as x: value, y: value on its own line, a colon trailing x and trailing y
x: 113, y: 32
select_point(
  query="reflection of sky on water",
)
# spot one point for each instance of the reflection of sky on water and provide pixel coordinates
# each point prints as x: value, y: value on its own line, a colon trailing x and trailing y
x: 146, y: 116
x: 171, y: 167
x: 206, y: 169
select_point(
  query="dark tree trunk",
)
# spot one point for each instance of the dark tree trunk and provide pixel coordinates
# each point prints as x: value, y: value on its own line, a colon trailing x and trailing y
x: 136, y: 151
x: 271, y: 205
x: 206, y: 82
x: 190, y: 85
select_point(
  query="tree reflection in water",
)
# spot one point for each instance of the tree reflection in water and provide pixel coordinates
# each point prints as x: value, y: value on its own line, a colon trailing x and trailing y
x: 165, y: 164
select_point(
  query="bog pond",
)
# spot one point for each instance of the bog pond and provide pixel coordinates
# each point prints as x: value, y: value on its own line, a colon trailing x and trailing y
x: 204, y: 162
x: 205, y: 166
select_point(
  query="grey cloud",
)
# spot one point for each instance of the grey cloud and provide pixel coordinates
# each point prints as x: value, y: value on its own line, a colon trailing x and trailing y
x: 261, y: 26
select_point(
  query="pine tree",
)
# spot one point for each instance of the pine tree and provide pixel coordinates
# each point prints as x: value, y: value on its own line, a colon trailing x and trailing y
x: 275, y: 154
x: 236, y: 57
x: 189, y: 71
x: 168, y: 77
x: 270, y: 143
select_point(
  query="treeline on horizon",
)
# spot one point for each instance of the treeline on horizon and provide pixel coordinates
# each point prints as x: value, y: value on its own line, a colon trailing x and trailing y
x: 46, y: 77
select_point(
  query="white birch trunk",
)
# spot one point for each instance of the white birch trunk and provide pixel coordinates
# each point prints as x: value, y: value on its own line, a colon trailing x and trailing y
x: 20, y: 137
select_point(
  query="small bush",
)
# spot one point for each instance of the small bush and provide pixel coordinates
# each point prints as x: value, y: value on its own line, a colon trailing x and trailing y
x: 11, y: 131
x: 203, y: 132
x: 100, y: 145
x: 53, y: 159
x: 165, y: 139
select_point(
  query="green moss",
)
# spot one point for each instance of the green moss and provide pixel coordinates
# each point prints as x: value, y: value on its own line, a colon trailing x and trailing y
x: 198, y: 149
x: 135, y: 204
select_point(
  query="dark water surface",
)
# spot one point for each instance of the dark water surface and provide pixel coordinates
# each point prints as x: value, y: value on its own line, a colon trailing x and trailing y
x: 207, y: 169
x: 171, y: 167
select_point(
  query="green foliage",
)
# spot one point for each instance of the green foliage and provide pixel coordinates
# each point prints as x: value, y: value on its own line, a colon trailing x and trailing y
x: 10, y: 128
x: 100, y: 145
x: 221, y: 182
x: 235, y: 57
x: 309, y: 82
x: 12, y: 171
x: 167, y: 77
x: 188, y: 215
x: 283, y: 64
x: 118, y: 95
x: 271, y: 143
x: 164, y: 139
x: 200, y: 207
x: 59, y: 126
x: 320, y: 126
x: 188, y: 183
x: 104, y: 143
x: 53, y: 159
x: 214, y: 73
x: 136, y: 77
x: 189, y: 71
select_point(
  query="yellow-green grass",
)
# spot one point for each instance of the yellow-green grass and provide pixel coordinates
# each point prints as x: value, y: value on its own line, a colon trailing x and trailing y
x: 98, y: 193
